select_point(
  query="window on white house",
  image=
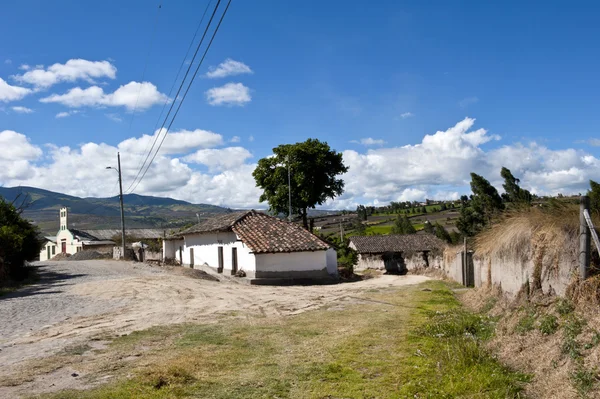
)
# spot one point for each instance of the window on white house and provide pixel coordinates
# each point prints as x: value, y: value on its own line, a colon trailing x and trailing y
x: 53, y: 250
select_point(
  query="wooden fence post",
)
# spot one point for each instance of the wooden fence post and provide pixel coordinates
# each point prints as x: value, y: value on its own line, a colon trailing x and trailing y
x: 584, y: 238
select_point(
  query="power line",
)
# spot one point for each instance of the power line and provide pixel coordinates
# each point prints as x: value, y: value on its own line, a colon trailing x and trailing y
x: 141, y: 165
x: 146, y: 63
x: 190, y: 83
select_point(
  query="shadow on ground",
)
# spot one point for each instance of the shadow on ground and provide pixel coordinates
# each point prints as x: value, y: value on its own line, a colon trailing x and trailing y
x: 48, y: 282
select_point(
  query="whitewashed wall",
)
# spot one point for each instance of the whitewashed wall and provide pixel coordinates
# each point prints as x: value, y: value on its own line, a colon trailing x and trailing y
x: 331, y: 259
x: 171, y: 249
x: 305, y: 264
x: 44, y: 251
x: 206, y: 251
x: 72, y: 242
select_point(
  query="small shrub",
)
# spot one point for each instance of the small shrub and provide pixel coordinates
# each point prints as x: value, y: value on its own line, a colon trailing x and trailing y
x: 594, y: 342
x: 548, y: 324
x: 458, y: 323
x: 525, y: 324
x: 564, y: 307
x: 584, y: 380
x: 574, y: 326
x: 571, y: 347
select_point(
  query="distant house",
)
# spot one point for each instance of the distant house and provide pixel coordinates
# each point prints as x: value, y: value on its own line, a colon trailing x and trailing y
x: 264, y: 247
x: 71, y: 241
x: 398, y: 253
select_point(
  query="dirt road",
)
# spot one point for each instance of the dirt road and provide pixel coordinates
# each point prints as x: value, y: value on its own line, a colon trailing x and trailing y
x: 77, y: 301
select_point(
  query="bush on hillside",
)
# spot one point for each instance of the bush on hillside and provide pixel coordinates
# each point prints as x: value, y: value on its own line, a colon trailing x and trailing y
x: 19, y: 243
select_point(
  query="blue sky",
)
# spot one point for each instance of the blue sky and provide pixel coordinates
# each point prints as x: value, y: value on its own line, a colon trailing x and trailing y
x: 371, y: 79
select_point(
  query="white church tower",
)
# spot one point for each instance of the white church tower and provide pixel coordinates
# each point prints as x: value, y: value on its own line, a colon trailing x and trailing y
x: 63, y: 219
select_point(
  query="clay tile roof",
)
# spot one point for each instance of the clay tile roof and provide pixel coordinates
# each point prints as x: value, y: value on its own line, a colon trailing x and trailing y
x: 396, y: 243
x: 218, y: 223
x: 266, y: 234
x: 261, y: 233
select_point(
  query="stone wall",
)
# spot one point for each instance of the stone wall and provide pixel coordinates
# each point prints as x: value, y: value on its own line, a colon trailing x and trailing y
x: 553, y: 273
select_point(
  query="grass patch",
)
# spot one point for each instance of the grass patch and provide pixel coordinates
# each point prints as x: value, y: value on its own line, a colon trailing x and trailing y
x: 402, y: 343
x: 584, y: 380
x: 564, y: 307
x: 526, y: 323
x: 548, y: 324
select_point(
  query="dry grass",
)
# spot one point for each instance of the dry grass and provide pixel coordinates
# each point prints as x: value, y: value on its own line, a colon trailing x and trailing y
x: 413, y: 343
x: 548, y: 336
x: 522, y: 234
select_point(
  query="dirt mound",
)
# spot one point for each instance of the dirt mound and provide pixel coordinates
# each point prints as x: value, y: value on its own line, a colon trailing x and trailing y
x: 61, y: 256
x: 88, y: 255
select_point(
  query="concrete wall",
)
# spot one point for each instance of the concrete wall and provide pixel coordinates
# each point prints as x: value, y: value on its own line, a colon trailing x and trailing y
x: 206, y: 251
x: 171, y: 250
x: 44, y: 251
x: 512, y: 272
x: 305, y: 264
x: 331, y: 259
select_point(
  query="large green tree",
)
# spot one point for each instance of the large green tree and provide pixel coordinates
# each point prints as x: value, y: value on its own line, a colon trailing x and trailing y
x: 514, y: 193
x: 314, y: 169
x: 484, y: 205
x: 403, y: 226
x: 18, y: 242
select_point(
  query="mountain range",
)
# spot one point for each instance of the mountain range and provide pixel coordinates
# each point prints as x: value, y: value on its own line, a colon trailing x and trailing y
x: 42, y: 207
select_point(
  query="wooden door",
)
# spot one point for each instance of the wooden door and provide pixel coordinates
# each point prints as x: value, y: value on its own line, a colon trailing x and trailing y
x: 234, y: 262
x: 64, y: 247
x: 48, y: 252
x: 220, y: 268
x: 192, y: 258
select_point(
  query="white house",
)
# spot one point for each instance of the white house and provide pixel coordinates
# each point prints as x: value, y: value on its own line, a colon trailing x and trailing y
x: 71, y: 241
x: 262, y: 246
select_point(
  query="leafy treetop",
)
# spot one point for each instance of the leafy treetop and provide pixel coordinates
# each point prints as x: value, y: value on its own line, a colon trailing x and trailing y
x: 314, y: 168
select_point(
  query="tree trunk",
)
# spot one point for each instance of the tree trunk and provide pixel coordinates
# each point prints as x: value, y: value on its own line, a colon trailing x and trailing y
x: 304, y: 218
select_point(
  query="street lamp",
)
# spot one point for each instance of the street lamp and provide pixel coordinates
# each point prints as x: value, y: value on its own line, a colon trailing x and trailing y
x: 287, y: 159
x: 118, y: 169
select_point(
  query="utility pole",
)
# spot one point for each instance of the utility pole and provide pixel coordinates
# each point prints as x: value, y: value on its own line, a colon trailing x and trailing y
x: 121, y: 199
x: 118, y: 169
x: 287, y: 158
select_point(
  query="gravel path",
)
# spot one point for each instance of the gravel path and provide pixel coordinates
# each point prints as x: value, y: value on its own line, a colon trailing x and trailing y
x: 77, y: 302
x: 49, y: 302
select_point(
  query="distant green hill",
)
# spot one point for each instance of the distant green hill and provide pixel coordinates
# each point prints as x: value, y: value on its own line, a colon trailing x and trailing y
x: 97, y: 213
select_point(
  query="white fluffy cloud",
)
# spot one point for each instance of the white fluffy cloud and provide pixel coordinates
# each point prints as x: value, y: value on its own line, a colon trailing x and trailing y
x: 71, y: 71
x: 22, y: 110
x: 133, y: 95
x: 16, y: 154
x: 228, y: 67
x: 406, y: 115
x: 220, y: 158
x: 12, y: 93
x: 369, y: 141
x: 229, y: 94
x: 66, y: 114
x: 437, y: 167
x: 446, y: 159
x: 178, y: 142
x: 16, y: 146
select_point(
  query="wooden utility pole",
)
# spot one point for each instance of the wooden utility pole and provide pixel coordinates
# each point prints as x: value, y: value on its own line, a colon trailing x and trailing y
x: 118, y: 169
x: 121, y: 200
x: 584, y: 238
